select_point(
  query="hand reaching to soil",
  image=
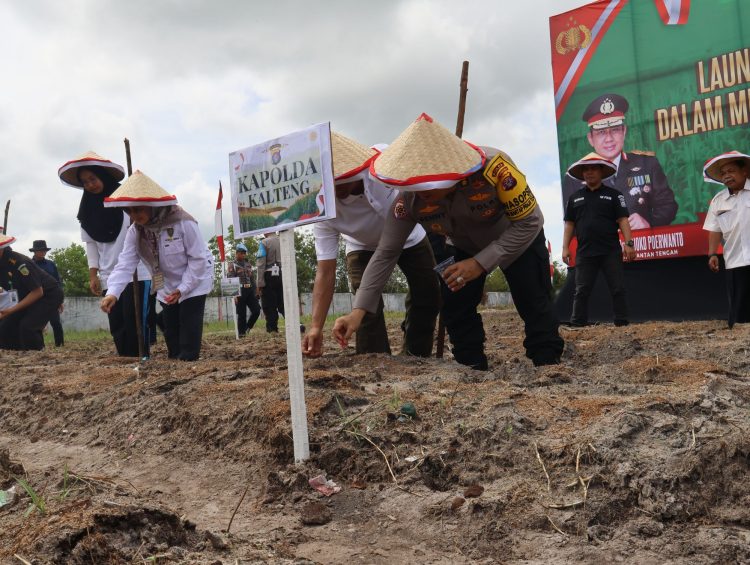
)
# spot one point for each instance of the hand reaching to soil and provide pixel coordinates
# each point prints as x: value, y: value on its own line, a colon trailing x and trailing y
x: 345, y: 326
x: 312, y: 343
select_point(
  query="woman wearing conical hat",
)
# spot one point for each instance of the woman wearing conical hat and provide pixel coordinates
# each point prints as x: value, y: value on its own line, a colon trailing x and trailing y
x: 28, y: 299
x: 482, y: 203
x: 169, y: 242
x: 103, y: 234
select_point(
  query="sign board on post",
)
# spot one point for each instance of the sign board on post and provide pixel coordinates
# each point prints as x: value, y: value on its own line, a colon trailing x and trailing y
x: 276, y: 186
x: 230, y: 286
x: 283, y: 183
x: 658, y: 87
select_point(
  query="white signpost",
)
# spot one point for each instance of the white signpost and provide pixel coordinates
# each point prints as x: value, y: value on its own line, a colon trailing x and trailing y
x: 276, y: 186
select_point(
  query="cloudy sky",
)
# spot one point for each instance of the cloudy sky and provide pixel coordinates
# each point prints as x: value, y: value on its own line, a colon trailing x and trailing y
x: 189, y: 81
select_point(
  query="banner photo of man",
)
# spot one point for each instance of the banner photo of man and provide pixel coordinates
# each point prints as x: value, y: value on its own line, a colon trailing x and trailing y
x: 653, y: 86
x: 275, y: 184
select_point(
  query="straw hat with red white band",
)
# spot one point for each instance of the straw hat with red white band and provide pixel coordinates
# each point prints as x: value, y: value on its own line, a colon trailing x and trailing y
x: 6, y: 240
x: 68, y: 173
x: 139, y: 190
x: 576, y: 169
x: 426, y: 156
x: 350, y: 159
x: 712, y: 168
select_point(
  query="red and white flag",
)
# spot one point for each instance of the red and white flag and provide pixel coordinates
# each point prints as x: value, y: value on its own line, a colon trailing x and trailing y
x: 219, y: 226
x: 673, y: 12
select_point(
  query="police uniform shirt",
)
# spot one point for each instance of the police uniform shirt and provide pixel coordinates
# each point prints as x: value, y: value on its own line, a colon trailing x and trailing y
x: 269, y: 255
x: 473, y: 220
x: 595, y: 214
x: 243, y: 270
x: 18, y: 272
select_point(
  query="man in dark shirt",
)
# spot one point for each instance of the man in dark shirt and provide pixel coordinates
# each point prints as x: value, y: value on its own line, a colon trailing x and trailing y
x: 247, y: 299
x: 39, y: 249
x: 593, y: 214
x: 39, y: 296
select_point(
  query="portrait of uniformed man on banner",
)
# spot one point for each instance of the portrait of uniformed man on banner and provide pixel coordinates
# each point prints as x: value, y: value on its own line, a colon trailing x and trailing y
x: 639, y: 177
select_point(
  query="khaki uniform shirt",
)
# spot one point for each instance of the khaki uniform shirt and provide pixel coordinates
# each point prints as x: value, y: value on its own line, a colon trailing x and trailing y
x: 271, y: 257
x: 471, y: 217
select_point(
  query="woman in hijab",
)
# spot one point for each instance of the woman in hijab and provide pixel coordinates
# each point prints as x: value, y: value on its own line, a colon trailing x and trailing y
x: 103, y: 232
x: 167, y: 239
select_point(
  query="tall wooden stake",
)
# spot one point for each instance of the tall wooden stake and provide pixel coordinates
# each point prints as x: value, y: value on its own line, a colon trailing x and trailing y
x: 464, y: 88
x: 5, y: 221
x: 136, y: 294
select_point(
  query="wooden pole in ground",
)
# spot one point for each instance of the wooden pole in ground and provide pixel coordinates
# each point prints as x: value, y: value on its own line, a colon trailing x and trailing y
x: 5, y: 221
x: 464, y: 88
x: 136, y: 294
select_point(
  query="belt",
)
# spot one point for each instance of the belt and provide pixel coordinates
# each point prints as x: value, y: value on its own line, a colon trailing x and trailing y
x: 247, y: 286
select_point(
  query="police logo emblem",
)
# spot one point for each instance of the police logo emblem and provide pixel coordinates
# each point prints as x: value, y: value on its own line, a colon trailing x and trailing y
x: 607, y: 106
x: 275, y: 150
x: 572, y: 39
x: 170, y: 232
x: 23, y: 270
x: 509, y: 182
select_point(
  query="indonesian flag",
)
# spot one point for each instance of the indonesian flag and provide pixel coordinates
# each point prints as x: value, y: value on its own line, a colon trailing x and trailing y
x: 219, y: 227
x: 673, y: 12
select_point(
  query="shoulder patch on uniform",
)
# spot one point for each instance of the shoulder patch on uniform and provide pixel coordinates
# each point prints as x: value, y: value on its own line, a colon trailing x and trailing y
x: 399, y: 210
x: 24, y: 270
x: 642, y: 152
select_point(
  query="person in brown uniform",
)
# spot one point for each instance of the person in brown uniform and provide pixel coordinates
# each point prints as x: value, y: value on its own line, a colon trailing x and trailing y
x: 481, y: 202
x: 270, y: 286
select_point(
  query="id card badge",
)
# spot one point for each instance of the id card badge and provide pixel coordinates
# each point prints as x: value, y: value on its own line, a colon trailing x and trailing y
x: 157, y: 280
x: 275, y: 271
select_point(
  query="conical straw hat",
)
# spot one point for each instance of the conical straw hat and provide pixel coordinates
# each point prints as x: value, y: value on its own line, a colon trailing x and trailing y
x: 349, y: 157
x: 426, y: 156
x: 68, y: 173
x: 576, y: 169
x: 6, y: 240
x: 139, y: 190
x: 711, y: 169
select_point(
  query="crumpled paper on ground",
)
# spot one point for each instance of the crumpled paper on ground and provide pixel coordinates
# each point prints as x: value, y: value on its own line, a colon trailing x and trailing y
x: 323, y: 486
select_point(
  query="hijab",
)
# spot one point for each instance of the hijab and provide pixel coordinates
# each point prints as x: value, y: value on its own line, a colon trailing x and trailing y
x: 102, y: 224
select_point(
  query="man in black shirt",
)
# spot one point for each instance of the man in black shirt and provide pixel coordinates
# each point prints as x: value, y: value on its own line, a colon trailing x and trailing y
x: 594, y: 214
x: 39, y: 296
x: 40, y: 249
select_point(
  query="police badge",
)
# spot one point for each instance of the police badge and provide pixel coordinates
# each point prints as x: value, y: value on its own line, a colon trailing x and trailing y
x: 275, y: 150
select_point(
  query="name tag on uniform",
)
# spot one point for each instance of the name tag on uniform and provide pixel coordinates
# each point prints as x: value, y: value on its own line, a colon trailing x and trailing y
x: 275, y: 271
x: 158, y: 280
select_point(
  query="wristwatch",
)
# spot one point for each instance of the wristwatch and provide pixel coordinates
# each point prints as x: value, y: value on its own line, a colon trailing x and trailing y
x: 629, y: 243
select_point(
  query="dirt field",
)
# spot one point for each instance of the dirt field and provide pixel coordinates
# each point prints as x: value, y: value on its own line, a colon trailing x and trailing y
x: 635, y: 449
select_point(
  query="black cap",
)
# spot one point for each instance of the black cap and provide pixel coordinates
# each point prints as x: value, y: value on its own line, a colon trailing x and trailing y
x: 39, y: 245
x: 605, y: 111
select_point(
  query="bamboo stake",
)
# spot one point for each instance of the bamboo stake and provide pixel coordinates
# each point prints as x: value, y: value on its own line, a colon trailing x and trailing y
x: 136, y: 294
x: 5, y: 221
x: 464, y: 88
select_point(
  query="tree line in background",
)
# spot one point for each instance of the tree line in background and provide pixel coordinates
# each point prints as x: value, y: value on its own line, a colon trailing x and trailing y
x: 73, y: 267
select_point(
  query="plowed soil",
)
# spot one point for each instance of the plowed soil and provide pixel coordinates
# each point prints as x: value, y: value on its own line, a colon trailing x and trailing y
x: 635, y: 449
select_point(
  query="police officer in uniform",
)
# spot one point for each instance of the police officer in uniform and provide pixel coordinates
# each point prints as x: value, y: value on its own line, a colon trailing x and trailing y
x: 639, y: 177
x: 247, y: 300
x: 269, y: 280
x: 594, y: 214
x: 39, y: 250
x: 39, y: 297
x: 444, y: 186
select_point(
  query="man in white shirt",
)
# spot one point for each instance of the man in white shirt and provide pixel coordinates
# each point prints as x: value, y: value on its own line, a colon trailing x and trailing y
x: 361, y: 207
x: 728, y: 218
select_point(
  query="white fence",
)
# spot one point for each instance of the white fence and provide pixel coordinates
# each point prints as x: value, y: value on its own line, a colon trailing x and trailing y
x: 83, y: 313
